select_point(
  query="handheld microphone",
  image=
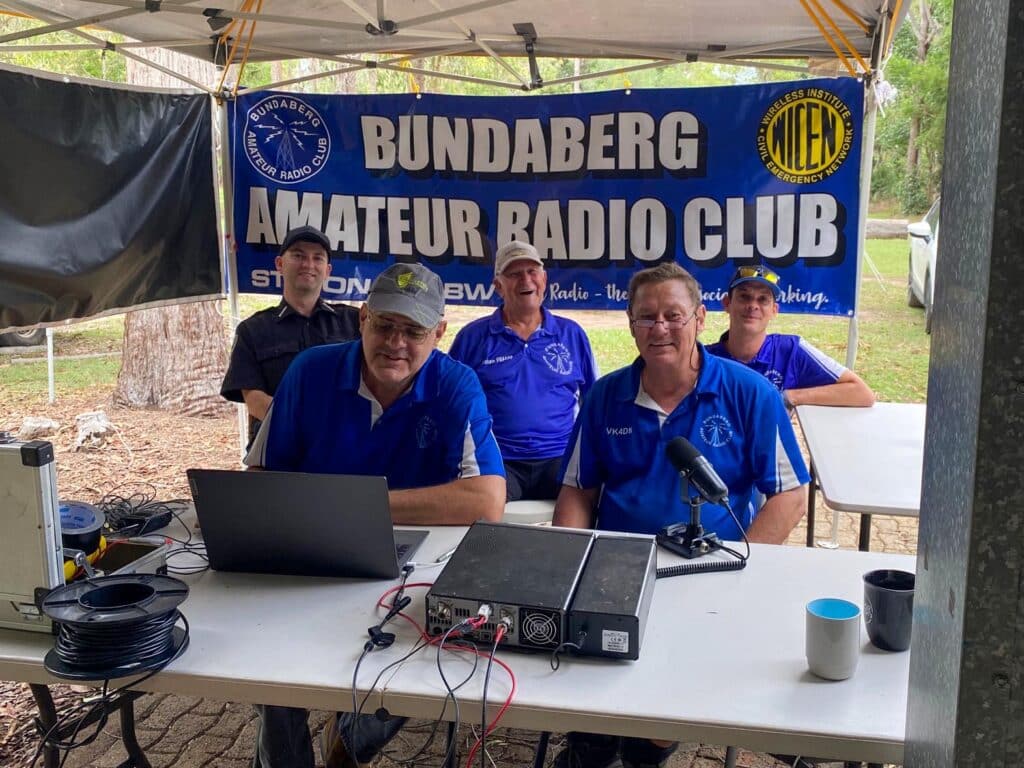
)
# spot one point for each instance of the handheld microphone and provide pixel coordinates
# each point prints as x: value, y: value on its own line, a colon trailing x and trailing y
x: 697, y: 470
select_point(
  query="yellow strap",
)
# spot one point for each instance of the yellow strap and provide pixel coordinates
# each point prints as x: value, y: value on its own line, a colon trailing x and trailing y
x: 828, y: 39
x: 853, y: 16
x: 892, y: 26
x: 839, y: 33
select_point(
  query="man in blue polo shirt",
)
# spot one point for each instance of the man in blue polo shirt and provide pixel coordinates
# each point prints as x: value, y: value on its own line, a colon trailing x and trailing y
x: 803, y: 374
x: 535, y: 368
x: 617, y: 475
x: 388, y: 404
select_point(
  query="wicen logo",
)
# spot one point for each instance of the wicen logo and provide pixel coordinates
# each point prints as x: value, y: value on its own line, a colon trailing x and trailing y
x: 286, y: 140
x: 805, y: 136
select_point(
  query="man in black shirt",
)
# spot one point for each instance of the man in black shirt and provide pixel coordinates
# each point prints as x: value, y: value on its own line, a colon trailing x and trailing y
x: 267, y: 342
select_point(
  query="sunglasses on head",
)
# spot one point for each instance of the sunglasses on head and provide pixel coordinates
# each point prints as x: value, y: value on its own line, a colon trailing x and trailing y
x: 760, y: 271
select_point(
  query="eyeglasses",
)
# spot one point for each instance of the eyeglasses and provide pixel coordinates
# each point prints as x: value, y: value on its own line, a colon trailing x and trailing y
x: 671, y: 323
x: 761, y: 271
x: 412, y: 333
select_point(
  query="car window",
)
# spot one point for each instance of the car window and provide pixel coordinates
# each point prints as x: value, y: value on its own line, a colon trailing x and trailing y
x: 932, y: 217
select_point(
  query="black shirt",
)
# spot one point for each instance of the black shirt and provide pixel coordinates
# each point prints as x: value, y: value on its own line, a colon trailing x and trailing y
x: 266, y: 343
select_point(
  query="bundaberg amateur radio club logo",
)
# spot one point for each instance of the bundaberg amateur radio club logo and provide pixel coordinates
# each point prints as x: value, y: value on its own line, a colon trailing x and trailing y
x: 805, y: 135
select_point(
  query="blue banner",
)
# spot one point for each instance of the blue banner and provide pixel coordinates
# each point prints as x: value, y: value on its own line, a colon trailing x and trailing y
x: 603, y: 184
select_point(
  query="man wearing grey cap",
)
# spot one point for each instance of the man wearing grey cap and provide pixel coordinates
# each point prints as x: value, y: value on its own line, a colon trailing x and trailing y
x: 266, y: 343
x: 535, y: 368
x: 388, y: 404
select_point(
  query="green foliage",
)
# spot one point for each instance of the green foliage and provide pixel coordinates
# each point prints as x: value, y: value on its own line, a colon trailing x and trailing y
x: 93, y: 63
x: 914, y: 193
x: 921, y: 89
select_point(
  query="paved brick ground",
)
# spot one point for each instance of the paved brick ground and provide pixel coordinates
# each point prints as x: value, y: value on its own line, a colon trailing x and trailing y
x: 189, y: 733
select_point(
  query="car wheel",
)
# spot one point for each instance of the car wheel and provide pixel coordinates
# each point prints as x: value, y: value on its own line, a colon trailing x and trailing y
x: 32, y: 338
x: 912, y: 300
x: 927, y: 304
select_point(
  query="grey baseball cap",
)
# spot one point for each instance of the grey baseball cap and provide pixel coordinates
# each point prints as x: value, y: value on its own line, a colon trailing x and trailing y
x: 410, y: 290
x: 514, y: 251
x: 305, y: 234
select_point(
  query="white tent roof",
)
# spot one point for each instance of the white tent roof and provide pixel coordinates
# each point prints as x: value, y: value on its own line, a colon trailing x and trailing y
x: 653, y: 30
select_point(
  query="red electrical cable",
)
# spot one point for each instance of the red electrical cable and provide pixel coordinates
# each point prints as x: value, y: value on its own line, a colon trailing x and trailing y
x: 475, y: 622
x: 508, y: 700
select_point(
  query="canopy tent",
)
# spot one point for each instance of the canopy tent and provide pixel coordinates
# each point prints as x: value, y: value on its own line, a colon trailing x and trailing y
x: 840, y: 37
x: 851, y: 33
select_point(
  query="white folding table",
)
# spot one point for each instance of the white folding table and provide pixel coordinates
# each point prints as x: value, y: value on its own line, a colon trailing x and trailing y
x: 865, y: 460
x: 722, y: 659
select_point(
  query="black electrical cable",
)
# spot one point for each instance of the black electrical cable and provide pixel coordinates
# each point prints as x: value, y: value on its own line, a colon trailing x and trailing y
x: 451, y: 691
x: 98, y: 647
x: 483, y: 704
x: 712, y: 566
x: 106, y: 697
x: 139, y: 512
x: 578, y: 645
x: 411, y: 759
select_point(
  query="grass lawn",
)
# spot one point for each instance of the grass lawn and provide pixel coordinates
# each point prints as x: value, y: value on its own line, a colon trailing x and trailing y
x: 892, y: 351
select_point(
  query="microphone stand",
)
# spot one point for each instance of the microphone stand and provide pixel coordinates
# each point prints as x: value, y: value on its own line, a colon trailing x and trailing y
x: 689, y: 539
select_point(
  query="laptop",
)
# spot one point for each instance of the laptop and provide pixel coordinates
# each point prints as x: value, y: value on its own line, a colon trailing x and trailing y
x: 300, y: 524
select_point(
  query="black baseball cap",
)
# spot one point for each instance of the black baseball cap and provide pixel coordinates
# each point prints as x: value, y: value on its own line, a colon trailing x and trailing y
x: 306, y: 234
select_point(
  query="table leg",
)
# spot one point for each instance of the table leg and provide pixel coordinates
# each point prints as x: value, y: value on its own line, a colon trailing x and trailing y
x: 810, y: 508
x: 542, y: 750
x: 47, y: 720
x: 136, y: 756
x: 865, y: 533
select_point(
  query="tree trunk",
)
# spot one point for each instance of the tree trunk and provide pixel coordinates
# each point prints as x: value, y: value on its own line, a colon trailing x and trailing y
x: 924, y: 30
x: 912, y: 151
x: 174, y: 357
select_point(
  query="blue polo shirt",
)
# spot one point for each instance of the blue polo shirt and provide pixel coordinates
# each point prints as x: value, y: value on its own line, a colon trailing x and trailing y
x: 533, y: 387
x: 733, y: 417
x: 323, y: 420
x: 787, y: 361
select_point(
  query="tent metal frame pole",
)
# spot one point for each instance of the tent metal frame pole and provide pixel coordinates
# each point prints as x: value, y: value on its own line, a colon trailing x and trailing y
x: 226, y: 219
x: 356, y: 66
x: 866, y: 167
x: 470, y: 35
x: 45, y: 16
x: 68, y: 24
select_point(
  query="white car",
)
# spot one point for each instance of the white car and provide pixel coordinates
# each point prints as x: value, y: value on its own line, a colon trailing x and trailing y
x: 924, y: 244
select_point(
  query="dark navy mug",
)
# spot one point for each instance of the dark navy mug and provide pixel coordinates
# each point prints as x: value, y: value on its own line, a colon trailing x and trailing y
x: 889, y: 608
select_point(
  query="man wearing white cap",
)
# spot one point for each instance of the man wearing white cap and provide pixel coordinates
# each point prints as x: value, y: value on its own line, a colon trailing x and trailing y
x: 535, y: 368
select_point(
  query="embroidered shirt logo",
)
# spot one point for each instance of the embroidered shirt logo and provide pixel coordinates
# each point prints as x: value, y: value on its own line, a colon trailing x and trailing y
x: 558, y: 358
x: 775, y: 377
x: 286, y: 140
x: 426, y: 432
x: 716, y: 431
x: 618, y: 431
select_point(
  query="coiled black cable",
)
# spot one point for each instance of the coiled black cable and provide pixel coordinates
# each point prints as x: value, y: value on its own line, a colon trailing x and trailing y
x: 139, y: 643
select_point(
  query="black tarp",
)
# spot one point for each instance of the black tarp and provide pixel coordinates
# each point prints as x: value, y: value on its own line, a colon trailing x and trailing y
x: 106, y: 199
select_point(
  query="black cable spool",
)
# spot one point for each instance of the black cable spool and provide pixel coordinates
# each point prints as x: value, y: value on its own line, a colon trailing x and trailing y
x: 115, y: 626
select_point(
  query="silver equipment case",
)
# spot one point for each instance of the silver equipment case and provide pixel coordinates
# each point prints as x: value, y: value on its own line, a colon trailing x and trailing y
x: 31, y: 556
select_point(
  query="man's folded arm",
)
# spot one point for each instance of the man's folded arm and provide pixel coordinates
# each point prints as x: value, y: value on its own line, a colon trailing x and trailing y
x: 779, y: 515
x: 575, y: 507
x: 849, y: 390
x: 460, y: 502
